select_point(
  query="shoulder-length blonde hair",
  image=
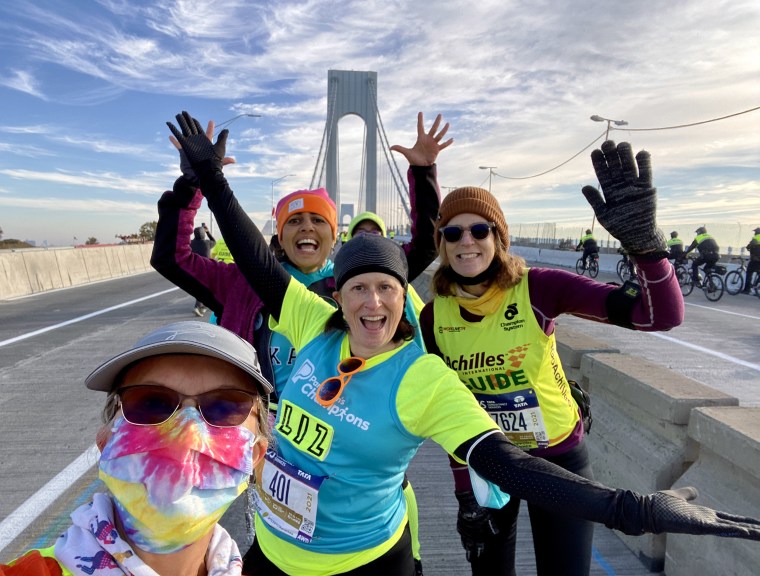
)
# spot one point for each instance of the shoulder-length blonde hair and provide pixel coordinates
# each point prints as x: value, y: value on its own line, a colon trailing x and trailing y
x: 509, y: 274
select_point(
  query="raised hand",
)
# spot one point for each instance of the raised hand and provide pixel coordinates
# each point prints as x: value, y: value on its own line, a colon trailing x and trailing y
x: 184, y: 163
x: 629, y: 205
x: 201, y: 153
x: 428, y: 144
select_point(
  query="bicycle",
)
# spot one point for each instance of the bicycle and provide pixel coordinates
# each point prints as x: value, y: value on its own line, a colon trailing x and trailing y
x: 593, y: 266
x: 734, y: 280
x: 711, y: 282
x: 626, y: 269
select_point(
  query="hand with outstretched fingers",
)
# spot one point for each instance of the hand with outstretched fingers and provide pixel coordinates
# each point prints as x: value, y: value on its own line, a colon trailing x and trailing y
x: 474, y: 524
x: 672, y: 511
x: 428, y: 144
x: 202, y: 154
x: 627, y: 210
x: 184, y: 163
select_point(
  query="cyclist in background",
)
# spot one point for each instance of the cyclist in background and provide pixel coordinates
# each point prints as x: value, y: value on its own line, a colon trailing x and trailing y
x: 754, y: 260
x: 709, y: 252
x: 588, y: 243
x: 675, y: 247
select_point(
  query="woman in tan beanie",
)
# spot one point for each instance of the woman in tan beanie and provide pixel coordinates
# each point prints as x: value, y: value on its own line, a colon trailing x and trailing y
x: 492, y: 321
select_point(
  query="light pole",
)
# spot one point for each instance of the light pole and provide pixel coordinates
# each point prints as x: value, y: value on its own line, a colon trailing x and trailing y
x: 490, y: 174
x: 275, y: 181
x: 227, y: 123
x: 596, y: 118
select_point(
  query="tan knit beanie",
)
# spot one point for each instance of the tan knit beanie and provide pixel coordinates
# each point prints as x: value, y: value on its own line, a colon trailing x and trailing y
x: 471, y: 200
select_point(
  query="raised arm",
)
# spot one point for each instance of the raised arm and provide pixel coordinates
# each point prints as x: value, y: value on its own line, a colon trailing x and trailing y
x: 627, y: 208
x: 424, y: 193
x: 246, y: 243
x: 555, y: 489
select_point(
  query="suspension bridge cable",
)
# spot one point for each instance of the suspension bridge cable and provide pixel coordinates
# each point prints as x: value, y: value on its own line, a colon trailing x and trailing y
x: 590, y: 144
x: 686, y: 125
x: 385, y: 144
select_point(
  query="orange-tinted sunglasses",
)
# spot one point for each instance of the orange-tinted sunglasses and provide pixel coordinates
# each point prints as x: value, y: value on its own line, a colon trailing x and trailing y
x: 330, y: 389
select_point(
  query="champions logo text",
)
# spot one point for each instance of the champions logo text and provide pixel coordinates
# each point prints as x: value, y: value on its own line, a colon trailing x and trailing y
x: 309, y: 387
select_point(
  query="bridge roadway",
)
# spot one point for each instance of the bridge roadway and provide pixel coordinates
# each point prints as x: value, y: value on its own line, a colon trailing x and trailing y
x: 50, y: 341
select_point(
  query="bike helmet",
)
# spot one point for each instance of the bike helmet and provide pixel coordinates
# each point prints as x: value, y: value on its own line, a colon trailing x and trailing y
x: 588, y: 231
x: 756, y: 230
x: 674, y: 234
x: 701, y: 230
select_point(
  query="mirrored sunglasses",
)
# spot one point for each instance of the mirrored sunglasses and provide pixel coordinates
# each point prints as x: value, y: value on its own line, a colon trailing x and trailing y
x: 150, y: 405
x: 478, y: 231
x: 330, y: 389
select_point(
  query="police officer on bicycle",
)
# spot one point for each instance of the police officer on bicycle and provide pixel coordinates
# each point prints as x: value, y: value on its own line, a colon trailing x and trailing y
x: 754, y: 260
x: 588, y: 243
x: 675, y: 248
x: 709, y: 252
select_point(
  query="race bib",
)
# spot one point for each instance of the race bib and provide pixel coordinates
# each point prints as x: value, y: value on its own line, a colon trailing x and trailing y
x: 518, y: 414
x: 286, y: 497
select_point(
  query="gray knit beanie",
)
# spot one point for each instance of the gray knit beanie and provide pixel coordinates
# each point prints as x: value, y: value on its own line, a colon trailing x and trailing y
x: 370, y: 253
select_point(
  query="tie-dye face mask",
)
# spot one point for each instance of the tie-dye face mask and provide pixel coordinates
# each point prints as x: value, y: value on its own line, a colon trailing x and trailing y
x: 172, y: 482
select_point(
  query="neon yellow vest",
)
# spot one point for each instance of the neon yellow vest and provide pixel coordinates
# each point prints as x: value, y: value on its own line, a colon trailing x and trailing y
x: 511, y: 366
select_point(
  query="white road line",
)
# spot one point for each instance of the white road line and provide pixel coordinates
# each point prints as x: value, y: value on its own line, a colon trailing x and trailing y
x: 720, y: 355
x: 722, y: 311
x: 29, y: 511
x: 82, y: 318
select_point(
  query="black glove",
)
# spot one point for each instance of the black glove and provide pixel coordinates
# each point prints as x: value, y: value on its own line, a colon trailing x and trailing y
x: 628, y: 208
x: 187, y: 171
x: 474, y: 524
x: 202, y: 155
x: 671, y: 511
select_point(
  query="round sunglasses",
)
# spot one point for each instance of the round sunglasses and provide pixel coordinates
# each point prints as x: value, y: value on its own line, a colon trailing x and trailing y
x: 479, y: 231
x: 150, y: 405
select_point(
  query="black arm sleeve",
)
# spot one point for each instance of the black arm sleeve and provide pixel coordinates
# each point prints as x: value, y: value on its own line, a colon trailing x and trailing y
x: 426, y: 200
x: 555, y: 489
x: 252, y: 255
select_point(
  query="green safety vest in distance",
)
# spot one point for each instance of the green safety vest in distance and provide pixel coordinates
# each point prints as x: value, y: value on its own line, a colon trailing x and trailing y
x: 674, y: 242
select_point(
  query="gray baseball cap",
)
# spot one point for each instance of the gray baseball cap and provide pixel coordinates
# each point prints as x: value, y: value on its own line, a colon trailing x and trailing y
x: 187, y: 337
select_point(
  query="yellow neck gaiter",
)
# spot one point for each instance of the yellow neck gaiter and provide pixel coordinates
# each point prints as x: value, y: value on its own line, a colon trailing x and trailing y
x: 483, y: 305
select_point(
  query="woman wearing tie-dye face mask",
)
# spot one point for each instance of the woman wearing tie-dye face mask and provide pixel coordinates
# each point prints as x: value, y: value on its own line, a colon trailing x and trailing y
x: 185, y: 427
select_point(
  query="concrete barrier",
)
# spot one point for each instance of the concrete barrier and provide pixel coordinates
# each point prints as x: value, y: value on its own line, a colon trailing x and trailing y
x: 727, y: 471
x: 653, y: 430
x: 29, y: 271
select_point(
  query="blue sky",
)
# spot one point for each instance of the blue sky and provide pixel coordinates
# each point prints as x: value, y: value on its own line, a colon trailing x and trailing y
x: 86, y: 88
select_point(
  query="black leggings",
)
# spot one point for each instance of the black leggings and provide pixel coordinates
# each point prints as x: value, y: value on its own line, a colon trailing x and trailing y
x: 397, y: 561
x: 562, y: 544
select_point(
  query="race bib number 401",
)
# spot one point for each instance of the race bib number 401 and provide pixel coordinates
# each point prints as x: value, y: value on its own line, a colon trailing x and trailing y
x: 286, y: 497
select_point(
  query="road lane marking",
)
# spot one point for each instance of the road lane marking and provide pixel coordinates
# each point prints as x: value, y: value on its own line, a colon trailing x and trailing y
x: 704, y: 350
x: 18, y: 520
x: 82, y: 318
x: 722, y: 310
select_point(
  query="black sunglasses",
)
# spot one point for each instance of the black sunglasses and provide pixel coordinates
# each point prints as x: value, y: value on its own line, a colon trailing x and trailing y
x: 150, y: 405
x: 478, y: 231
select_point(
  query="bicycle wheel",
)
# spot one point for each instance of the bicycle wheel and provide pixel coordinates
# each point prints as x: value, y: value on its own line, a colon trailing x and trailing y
x: 687, y: 285
x: 682, y: 273
x: 579, y: 266
x: 620, y: 268
x: 734, y: 282
x: 713, y: 287
x: 593, y: 268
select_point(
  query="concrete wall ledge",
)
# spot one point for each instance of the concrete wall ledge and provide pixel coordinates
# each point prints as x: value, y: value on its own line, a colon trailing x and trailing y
x: 29, y: 271
x: 727, y: 473
x: 653, y: 430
